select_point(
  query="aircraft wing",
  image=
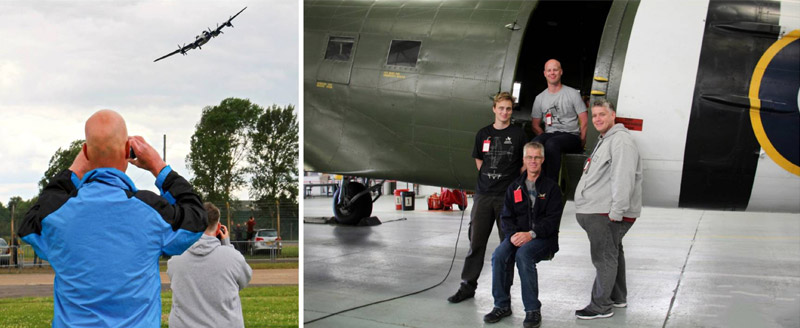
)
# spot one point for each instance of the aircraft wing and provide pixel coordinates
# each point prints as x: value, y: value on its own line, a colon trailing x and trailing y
x: 228, y: 22
x: 183, y: 50
x: 169, y: 54
x: 237, y: 14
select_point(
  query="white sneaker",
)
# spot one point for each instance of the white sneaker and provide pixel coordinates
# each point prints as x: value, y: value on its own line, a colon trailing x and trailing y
x: 620, y: 305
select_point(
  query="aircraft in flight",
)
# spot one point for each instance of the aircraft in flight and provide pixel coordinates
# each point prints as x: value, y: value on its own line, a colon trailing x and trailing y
x: 203, y: 38
x: 709, y: 89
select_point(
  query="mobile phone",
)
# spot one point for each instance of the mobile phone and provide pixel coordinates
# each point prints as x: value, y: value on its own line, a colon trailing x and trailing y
x: 132, y: 155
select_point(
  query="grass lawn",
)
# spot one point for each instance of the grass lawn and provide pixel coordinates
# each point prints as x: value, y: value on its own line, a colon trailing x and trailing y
x: 286, y: 252
x: 261, y: 306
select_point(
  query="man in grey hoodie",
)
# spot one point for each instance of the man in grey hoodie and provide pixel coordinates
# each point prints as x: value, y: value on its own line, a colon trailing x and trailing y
x: 206, y: 280
x: 608, y: 199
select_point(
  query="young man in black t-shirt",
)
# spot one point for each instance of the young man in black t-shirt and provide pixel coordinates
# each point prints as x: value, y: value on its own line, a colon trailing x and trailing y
x: 498, y: 156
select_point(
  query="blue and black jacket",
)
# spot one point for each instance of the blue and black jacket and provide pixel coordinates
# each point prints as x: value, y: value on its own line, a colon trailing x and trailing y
x: 103, y: 238
x: 545, y: 217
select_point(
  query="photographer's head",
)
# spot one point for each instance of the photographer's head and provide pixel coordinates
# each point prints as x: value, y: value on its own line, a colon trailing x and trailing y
x: 106, y: 140
x: 213, y: 218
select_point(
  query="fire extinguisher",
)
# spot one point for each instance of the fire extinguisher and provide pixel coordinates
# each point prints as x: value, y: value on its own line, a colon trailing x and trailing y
x: 434, y: 203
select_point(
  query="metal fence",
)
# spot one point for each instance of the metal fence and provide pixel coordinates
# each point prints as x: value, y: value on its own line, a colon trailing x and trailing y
x: 24, y: 257
x: 20, y: 257
x: 265, y: 215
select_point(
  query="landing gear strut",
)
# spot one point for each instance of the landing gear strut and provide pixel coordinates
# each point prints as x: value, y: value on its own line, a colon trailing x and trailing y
x: 353, y: 201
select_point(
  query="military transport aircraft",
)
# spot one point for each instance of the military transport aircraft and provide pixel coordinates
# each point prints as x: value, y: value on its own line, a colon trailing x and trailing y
x: 203, y: 38
x: 397, y: 90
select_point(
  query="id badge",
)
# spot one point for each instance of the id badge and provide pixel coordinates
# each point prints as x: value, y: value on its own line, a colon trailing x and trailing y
x: 517, y: 195
x: 486, y: 144
x: 548, y: 119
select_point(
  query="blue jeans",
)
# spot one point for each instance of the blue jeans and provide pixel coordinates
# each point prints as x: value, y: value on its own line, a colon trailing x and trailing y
x: 526, y: 258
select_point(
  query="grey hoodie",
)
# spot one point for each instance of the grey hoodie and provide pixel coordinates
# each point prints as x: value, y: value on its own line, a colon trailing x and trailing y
x: 205, y: 282
x: 612, y: 179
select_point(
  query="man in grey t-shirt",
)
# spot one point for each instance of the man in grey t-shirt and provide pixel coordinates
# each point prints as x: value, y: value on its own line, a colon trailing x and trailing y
x: 565, y: 119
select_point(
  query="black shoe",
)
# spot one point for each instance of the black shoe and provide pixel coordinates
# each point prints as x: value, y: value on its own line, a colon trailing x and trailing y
x: 496, y: 314
x: 533, y: 319
x: 589, y: 315
x: 461, y: 295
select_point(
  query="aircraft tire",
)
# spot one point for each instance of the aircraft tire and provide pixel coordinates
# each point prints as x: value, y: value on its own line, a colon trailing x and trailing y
x: 362, y: 208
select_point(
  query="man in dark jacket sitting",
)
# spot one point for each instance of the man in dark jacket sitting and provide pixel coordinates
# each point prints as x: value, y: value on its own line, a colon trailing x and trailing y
x: 530, y: 219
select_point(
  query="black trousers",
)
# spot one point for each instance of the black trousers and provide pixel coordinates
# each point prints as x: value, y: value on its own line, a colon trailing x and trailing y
x: 484, y: 215
x: 555, y: 144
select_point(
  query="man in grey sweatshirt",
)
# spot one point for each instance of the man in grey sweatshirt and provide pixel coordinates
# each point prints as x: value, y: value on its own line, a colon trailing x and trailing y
x: 608, y: 199
x: 206, y: 280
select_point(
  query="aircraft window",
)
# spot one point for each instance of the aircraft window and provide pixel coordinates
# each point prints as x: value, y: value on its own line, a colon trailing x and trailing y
x: 339, y: 48
x: 403, y: 53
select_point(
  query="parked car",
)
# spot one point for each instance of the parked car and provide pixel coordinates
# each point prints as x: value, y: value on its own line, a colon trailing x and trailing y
x: 5, y: 252
x: 267, y: 240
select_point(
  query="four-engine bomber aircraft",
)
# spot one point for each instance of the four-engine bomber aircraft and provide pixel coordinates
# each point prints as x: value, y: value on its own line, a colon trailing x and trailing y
x: 203, y: 38
x: 397, y: 90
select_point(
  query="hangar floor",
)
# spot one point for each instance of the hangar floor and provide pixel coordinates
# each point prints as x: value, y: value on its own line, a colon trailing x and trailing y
x: 686, y: 268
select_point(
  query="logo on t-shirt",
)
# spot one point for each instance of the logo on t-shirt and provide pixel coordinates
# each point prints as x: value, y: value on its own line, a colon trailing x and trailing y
x: 500, y: 149
x: 496, y: 153
x: 494, y: 175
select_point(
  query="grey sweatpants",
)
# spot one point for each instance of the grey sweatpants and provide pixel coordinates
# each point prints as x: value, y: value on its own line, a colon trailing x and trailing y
x: 605, y: 241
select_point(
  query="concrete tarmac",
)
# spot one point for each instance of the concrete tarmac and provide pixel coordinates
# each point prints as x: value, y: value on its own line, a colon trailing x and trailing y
x: 685, y: 268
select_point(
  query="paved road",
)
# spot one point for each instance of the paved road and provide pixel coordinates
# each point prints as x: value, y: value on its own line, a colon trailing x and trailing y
x: 41, y: 284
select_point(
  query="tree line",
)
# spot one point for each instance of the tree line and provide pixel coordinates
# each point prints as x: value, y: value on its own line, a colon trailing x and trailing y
x: 236, y: 144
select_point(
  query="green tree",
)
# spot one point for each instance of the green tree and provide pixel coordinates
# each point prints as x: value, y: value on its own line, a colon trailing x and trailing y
x: 219, y: 146
x: 273, y: 156
x: 20, y: 207
x: 5, y: 221
x: 60, y: 161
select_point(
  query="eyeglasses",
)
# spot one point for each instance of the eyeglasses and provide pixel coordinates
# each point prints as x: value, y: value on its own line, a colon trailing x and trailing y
x: 530, y: 158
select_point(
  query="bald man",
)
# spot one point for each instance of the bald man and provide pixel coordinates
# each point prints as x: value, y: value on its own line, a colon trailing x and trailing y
x: 565, y: 119
x: 103, y: 237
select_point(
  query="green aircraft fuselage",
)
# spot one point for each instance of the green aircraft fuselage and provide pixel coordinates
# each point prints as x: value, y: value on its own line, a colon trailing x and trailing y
x: 398, y: 89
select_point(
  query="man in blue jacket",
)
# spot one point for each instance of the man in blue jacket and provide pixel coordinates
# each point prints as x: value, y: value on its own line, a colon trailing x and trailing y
x: 103, y: 237
x: 530, y: 218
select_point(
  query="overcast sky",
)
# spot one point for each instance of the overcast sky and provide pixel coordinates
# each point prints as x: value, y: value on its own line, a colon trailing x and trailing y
x: 62, y: 61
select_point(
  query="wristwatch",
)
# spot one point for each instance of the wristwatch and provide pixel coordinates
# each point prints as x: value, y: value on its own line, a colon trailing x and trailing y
x: 533, y: 234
